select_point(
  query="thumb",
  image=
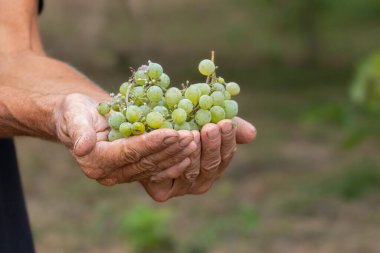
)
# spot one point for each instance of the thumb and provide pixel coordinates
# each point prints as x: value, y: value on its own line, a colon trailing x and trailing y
x: 82, y: 134
x: 245, y: 132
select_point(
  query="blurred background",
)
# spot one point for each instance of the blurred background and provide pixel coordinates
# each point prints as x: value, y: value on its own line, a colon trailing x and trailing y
x: 310, y: 77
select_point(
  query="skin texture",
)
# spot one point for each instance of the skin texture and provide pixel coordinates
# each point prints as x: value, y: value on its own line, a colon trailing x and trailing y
x: 46, y: 98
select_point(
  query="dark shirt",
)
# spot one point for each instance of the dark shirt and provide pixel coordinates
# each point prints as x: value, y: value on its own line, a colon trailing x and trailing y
x: 15, y: 234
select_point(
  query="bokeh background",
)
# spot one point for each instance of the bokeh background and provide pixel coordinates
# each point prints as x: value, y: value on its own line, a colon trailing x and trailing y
x: 310, y: 79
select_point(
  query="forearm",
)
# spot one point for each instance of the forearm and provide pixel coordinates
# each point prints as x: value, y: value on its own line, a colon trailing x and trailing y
x: 31, y: 85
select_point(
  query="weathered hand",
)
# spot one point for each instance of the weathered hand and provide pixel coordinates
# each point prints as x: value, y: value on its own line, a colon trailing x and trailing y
x: 84, y: 132
x: 216, y: 145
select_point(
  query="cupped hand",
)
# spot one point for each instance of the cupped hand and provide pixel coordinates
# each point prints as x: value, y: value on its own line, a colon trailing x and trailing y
x: 216, y: 145
x: 84, y: 131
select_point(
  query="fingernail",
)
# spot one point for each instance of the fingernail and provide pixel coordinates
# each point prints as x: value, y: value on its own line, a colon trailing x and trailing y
x: 170, y: 140
x: 227, y: 128
x: 213, y: 133
x: 185, y: 142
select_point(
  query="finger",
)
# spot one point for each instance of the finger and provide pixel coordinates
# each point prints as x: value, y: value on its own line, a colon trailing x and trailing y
x: 82, y: 134
x: 245, y: 132
x: 139, y: 171
x: 160, y: 190
x: 192, y: 172
x: 116, y: 154
x: 228, y: 143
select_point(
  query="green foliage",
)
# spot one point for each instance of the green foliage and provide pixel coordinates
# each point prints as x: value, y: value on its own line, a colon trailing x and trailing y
x: 365, y: 90
x: 147, y: 229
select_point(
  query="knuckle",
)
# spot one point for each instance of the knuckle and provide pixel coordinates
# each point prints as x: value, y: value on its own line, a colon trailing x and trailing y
x: 147, y: 164
x: 130, y: 155
x: 192, y: 175
x: 211, y: 165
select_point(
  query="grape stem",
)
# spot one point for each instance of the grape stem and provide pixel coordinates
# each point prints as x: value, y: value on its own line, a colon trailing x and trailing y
x: 127, y: 93
x: 213, y: 76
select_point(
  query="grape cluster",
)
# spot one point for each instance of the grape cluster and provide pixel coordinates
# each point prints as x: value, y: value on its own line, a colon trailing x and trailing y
x: 147, y: 102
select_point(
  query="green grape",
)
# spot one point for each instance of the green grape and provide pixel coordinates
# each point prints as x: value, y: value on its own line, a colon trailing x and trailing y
x: 184, y: 126
x: 155, y: 94
x: 202, y: 117
x: 206, y: 102
x: 204, y: 88
x: 232, y: 108
x: 139, y: 95
x: 138, y: 128
x: 141, y: 78
x: 186, y: 105
x: 164, y: 81
x: 218, y: 87
x: 115, y: 120
x: 218, y: 98
x: 227, y: 95
x: 133, y: 113
x: 104, y: 108
x: 206, y: 67
x: 155, y: 120
x: 233, y: 88
x: 173, y: 96
x: 114, y: 135
x: 163, y: 110
x: 221, y: 80
x: 144, y: 110
x: 193, y: 126
x: 126, y: 129
x: 116, y: 106
x: 123, y: 88
x: 217, y: 114
x: 155, y: 70
x: 179, y: 116
x: 193, y: 93
x: 167, y: 125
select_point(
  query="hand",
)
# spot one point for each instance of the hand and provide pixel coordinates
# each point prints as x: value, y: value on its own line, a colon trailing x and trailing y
x: 207, y: 164
x: 84, y: 131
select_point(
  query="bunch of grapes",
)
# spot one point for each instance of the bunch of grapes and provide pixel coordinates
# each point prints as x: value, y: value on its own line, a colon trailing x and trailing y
x: 147, y: 102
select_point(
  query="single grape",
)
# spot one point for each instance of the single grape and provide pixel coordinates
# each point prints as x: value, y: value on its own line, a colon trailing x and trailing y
x: 159, y: 103
x: 133, y: 113
x: 155, y: 120
x: 218, y: 87
x: 232, y: 108
x: 164, y: 81
x: 173, y: 96
x: 104, y: 108
x: 138, y: 128
x: 205, y: 102
x: 116, y: 106
x: 167, y: 125
x: 115, y: 120
x: 193, y: 126
x: 179, y: 116
x: 193, y: 93
x: 206, y: 67
x: 186, y: 104
x: 227, y: 95
x: 184, y: 126
x: 123, y: 88
x: 163, y: 110
x: 138, y: 95
x: 141, y: 78
x: 114, y: 135
x: 221, y: 80
x: 202, y: 117
x: 126, y: 129
x: 155, y: 94
x: 144, y: 110
x: 155, y: 70
x: 217, y: 114
x: 218, y: 98
x: 204, y: 88
x: 233, y: 88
